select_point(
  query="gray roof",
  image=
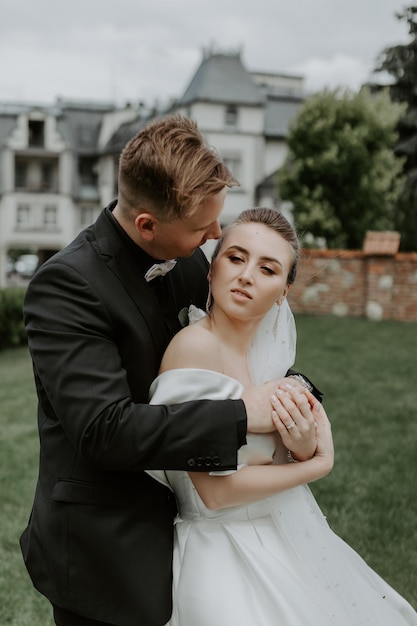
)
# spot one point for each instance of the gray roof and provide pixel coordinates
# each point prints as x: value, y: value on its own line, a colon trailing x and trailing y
x: 279, y: 112
x: 123, y: 134
x: 127, y: 131
x: 9, y: 113
x: 80, y: 122
x: 222, y: 78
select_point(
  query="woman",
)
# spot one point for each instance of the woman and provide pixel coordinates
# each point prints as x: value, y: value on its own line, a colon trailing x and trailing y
x: 252, y: 546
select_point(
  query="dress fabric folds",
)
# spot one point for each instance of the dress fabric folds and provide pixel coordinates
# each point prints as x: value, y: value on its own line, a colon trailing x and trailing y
x: 272, y: 563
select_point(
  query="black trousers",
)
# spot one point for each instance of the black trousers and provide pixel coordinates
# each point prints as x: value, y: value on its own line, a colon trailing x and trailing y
x: 63, y: 617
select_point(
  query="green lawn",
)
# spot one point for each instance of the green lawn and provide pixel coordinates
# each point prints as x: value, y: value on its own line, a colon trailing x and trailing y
x: 20, y: 605
x: 366, y: 370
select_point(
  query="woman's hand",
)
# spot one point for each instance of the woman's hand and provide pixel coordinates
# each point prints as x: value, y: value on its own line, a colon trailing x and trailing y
x: 294, y: 419
x: 325, y: 451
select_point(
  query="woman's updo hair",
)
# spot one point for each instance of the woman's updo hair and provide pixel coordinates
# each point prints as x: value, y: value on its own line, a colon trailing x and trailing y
x: 274, y: 220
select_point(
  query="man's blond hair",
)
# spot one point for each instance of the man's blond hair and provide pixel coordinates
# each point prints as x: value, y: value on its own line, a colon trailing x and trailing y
x: 168, y: 169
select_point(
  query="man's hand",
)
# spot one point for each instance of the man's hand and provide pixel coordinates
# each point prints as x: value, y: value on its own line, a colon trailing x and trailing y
x: 258, y: 406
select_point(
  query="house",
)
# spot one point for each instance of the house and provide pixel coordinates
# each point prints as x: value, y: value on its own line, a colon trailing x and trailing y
x: 58, y: 164
x: 54, y: 174
x: 245, y: 115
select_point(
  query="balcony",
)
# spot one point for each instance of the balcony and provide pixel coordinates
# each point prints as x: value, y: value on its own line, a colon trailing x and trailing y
x: 36, y: 175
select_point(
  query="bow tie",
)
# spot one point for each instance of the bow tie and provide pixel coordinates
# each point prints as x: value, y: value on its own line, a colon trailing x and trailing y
x: 159, y: 269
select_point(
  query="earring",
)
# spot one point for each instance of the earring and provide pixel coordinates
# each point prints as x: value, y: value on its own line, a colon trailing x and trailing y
x: 209, y: 302
x: 275, y: 326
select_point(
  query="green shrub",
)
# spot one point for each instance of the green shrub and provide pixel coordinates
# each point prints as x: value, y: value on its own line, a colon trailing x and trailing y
x: 12, y: 328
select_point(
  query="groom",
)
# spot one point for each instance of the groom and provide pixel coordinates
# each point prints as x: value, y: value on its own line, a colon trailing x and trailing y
x: 99, y: 316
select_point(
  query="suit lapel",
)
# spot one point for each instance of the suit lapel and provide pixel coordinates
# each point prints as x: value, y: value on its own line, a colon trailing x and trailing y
x: 120, y: 263
x: 188, y: 281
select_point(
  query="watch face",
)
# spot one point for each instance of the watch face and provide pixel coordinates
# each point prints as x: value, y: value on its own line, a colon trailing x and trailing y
x: 303, y: 381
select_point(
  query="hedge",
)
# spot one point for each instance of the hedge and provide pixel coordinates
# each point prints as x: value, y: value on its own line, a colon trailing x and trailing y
x: 12, y: 329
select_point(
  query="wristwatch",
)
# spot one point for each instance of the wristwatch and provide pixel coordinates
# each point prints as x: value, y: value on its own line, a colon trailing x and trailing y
x: 302, y: 380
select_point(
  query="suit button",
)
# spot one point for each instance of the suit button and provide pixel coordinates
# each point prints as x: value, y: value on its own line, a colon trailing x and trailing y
x: 190, y: 462
x: 199, y: 461
x: 208, y: 461
x: 216, y: 461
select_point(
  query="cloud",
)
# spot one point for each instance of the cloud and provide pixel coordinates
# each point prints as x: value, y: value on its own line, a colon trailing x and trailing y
x: 99, y: 49
x: 338, y: 70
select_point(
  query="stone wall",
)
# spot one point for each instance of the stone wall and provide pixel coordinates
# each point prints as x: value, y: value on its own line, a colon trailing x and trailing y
x: 352, y: 283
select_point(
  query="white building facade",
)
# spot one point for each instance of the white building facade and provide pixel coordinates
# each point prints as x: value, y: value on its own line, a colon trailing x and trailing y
x: 58, y: 164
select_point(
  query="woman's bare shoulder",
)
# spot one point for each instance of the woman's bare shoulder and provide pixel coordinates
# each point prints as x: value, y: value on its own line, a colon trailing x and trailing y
x: 194, y: 346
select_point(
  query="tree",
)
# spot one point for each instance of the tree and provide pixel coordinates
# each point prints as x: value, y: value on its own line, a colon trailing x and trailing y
x: 401, y: 63
x: 341, y: 175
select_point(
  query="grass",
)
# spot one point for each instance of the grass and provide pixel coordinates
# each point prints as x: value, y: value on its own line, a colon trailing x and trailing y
x: 20, y: 604
x: 366, y: 370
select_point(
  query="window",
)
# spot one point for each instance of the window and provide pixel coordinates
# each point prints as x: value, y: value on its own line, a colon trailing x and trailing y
x: 47, y: 176
x: 36, y: 133
x: 231, y: 115
x: 87, y: 169
x: 50, y: 217
x: 234, y: 163
x: 88, y: 215
x: 34, y: 174
x: 20, y: 174
x: 23, y: 217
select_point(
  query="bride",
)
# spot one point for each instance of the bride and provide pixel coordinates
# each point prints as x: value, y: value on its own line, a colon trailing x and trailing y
x: 252, y: 547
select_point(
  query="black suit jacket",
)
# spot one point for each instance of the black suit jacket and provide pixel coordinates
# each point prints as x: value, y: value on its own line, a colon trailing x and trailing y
x: 99, y: 539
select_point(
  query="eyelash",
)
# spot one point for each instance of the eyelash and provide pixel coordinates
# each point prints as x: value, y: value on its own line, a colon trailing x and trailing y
x: 234, y: 258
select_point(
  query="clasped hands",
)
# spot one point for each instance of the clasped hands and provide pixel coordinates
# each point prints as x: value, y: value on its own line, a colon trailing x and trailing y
x: 288, y: 407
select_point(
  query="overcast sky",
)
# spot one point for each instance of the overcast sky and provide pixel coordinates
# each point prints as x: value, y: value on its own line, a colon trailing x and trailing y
x: 133, y: 50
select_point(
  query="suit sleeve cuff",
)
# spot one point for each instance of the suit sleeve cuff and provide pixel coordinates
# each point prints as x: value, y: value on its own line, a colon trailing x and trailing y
x: 241, y: 423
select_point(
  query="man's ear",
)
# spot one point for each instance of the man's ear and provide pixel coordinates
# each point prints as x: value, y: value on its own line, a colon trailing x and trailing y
x: 283, y: 295
x: 145, y: 226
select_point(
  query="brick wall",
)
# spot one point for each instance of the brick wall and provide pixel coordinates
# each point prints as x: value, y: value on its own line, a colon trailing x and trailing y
x: 352, y: 283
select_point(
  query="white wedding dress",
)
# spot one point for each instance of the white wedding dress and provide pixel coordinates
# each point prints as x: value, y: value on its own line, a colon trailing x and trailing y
x: 272, y: 563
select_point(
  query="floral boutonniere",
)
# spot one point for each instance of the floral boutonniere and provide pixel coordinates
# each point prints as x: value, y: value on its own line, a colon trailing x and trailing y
x: 183, y: 317
x: 190, y: 315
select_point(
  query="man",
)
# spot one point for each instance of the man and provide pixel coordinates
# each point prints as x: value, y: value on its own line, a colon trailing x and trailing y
x: 99, y: 540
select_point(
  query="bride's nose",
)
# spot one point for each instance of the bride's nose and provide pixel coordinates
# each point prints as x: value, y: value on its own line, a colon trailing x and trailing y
x: 246, y: 275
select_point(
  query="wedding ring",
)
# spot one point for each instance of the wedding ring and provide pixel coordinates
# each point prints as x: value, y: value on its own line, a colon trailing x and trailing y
x: 291, y: 426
